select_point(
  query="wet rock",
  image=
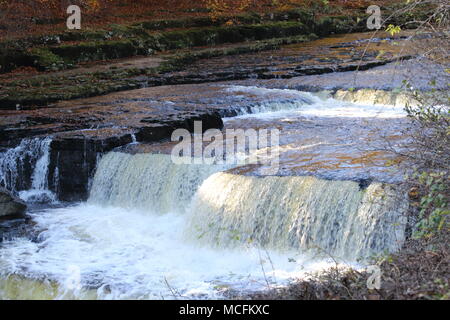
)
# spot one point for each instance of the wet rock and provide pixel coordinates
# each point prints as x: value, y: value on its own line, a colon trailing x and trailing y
x: 83, y: 130
x: 13, y: 228
x: 158, y: 130
x: 74, y: 157
x: 355, y: 85
x: 364, y: 183
x: 74, y: 154
x: 11, y: 206
x: 371, y: 96
x: 270, y: 59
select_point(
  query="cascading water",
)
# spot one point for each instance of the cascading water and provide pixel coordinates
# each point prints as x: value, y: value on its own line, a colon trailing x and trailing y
x: 131, y: 250
x: 298, y: 212
x: 123, y: 247
x: 312, y: 105
x: 24, y: 170
x: 281, y: 213
x: 295, y: 100
x: 147, y: 181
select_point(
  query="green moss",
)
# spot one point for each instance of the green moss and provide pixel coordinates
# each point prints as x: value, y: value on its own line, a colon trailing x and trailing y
x: 179, y: 39
x: 117, y: 30
x: 302, y: 15
x: 45, y: 89
x: 45, y: 60
x: 230, y: 34
x: 84, y: 35
x: 120, y: 41
x: 180, y: 61
x: 96, y: 50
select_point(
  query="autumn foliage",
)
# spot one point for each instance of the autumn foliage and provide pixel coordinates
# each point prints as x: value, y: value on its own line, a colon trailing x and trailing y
x: 43, y: 15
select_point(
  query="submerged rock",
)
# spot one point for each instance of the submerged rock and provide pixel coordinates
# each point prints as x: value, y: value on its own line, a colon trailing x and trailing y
x: 11, y: 206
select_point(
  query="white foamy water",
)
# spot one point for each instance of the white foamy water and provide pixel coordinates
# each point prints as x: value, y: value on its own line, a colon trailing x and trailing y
x: 147, y: 181
x: 132, y: 254
x: 309, y: 105
x: 13, y: 174
x: 299, y: 212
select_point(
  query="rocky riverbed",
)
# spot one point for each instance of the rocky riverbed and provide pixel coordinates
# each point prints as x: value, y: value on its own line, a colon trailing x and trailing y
x: 98, y: 125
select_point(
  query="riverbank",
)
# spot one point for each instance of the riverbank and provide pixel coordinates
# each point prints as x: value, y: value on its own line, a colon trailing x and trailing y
x: 418, y: 272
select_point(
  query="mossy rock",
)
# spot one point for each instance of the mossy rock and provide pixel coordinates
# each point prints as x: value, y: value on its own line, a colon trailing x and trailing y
x: 302, y: 15
x: 339, y: 24
x: 84, y: 35
x: 156, y: 25
x: 49, y: 88
x: 117, y: 30
x: 96, y: 50
x: 45, y: 60
x: 228, y: 34
x: 136, y: 39
x: 66, y: 55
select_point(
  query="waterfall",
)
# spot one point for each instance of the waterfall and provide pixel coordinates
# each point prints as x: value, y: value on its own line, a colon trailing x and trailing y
x: 24, y: 169
x: 150, y: 223
x: 147, y: 181
x: 272, y: 106
x: 282, y: 213
x: 273, y: 100
x: 335, y: 217
x: 40, y: 173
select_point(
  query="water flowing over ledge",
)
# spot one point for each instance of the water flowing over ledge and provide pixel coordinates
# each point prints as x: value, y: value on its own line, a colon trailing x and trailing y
x: 149, y: 222
x: 287, y: 100
x: 304, y: 213
x: 24, y: 170
x: 346, y: 104
x: 147, y: 181
x: 228, y: 210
